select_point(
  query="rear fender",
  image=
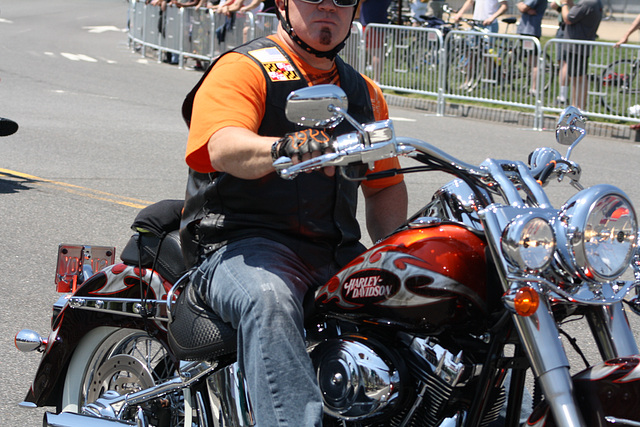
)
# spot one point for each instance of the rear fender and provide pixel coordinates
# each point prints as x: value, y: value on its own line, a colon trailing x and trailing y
x: 608, y: 389
x: 69, y: 329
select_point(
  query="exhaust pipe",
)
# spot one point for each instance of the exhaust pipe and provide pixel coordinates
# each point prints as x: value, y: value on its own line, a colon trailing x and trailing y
x: 70, y: 419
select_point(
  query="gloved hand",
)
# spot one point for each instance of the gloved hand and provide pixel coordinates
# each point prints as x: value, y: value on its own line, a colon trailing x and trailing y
x: 296, y: 144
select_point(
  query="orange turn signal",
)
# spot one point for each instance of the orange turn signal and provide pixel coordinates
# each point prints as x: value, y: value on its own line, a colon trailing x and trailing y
x: 526, y: 301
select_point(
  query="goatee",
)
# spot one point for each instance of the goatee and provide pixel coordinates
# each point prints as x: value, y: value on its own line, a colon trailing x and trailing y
x: 326, y: 36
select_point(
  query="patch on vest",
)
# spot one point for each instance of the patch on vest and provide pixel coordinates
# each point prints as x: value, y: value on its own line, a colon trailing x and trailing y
x: 277, y: 66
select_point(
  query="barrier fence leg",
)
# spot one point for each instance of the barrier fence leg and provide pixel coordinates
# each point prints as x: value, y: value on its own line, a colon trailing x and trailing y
x: 440, y: 101
x: 181, y: 39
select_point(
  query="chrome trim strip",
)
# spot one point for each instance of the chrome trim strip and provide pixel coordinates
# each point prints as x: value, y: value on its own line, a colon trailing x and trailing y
x: 134, y: 307
x: 584, y: 294
x: 120, y: 403
x: 622, y: 421
x: 180, y: 284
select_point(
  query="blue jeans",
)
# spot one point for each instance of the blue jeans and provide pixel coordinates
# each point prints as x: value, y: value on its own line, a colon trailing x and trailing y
x: 258, y: 286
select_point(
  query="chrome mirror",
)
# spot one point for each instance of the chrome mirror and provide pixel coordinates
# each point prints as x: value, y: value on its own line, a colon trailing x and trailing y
x: 317, y: 106
x: 570, y: 128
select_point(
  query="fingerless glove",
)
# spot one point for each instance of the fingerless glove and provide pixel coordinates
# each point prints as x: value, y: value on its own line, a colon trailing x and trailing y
x: 296, y: 144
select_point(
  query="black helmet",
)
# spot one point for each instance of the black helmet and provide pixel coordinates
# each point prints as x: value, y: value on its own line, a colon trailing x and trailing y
x: 286, y: 24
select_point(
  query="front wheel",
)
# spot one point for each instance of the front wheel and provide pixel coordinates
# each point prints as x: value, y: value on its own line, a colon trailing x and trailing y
x: 123, y: 361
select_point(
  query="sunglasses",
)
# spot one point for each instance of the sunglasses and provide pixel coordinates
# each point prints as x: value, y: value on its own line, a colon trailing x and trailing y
x: 339, y: 3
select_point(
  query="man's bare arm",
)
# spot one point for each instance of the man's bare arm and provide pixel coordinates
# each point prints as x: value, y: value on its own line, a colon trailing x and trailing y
x: 386, y: 209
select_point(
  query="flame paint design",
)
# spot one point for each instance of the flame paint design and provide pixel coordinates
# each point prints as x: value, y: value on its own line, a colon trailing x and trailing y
x: 407, y: 281
x: 120, y: 277
x: 621, y: 370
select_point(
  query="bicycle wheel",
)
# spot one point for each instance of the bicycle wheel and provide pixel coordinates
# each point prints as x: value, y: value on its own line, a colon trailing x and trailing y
x: 461, y: 75
x: 519, y: 70
x: 516, y: 72
x: 550, y: 73
x: 618, y: 89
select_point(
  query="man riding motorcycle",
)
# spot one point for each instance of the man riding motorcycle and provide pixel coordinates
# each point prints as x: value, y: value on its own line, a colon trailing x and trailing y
x: 261, y: 242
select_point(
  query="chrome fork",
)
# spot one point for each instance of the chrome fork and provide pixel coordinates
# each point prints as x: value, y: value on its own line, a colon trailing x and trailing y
x: 539, y: 336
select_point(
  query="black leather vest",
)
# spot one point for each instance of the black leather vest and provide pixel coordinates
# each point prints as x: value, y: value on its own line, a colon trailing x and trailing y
x: 313, y: 214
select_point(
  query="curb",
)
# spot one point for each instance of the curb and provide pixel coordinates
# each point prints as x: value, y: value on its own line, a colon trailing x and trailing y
x: 517, y: 118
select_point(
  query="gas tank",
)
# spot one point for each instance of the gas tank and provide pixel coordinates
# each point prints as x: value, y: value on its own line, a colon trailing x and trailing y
x: 427, y: 276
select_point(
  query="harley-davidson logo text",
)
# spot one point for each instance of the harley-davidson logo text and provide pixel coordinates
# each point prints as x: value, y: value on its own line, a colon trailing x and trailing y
x: 362, y: 287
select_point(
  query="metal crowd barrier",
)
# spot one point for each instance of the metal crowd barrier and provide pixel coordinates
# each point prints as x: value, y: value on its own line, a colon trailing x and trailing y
x: 352, y: 52
x: 605, y: 84
x: 265, y: 24
x: 502, y: 69
x: 188, y: 32
x: 496, y: 68
x: 403, y: 58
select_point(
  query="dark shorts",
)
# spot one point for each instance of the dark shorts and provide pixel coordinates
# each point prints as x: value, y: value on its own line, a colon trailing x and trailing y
x: 560, y: 47
x: 528, y: 47
x: 577, y: 58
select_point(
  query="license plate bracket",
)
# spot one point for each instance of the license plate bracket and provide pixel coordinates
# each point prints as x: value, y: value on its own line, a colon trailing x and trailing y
x: 75, y: 262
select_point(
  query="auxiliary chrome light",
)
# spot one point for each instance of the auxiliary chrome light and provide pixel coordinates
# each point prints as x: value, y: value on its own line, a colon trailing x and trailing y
x: 528, y: 242
x: 599, y: 232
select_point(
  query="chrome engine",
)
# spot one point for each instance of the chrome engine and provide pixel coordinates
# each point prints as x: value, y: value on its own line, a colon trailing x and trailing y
x: 362, y: 380
x: 357, y: 378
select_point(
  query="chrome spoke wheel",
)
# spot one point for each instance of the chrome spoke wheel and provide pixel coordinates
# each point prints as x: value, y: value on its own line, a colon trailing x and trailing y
x: 115, y: 362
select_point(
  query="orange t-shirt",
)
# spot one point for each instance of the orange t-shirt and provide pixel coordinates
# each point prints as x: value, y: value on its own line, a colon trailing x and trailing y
x: 234, y: 94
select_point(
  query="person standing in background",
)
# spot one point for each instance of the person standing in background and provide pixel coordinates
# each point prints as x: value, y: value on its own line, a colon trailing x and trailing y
x: 374, y: 12
x: 634, y: 26
x: 581, y: 23
x: 561, y: 55
x: 486, y: 11
x: 531, y: 25
x: 419, y: 8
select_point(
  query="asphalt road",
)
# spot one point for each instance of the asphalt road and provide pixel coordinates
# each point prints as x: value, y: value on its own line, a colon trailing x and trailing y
x: 101, y: 136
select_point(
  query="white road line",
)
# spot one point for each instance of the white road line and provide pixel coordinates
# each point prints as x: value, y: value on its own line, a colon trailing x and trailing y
x: 103, y: 29
x: 78, y: 57
x: 402, y: 119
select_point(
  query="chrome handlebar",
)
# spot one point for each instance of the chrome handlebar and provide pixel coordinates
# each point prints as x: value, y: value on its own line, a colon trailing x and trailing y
x: 377, y: 141
x: 546, y: 163
x: 380, y: 144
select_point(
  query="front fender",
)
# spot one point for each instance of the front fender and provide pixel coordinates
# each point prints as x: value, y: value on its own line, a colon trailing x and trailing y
x: 608, y: 389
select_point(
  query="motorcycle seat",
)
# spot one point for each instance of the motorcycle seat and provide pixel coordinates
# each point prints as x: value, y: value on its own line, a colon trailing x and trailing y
x: 196, y: 332
x: 142, y: 250
x: 156, y: 243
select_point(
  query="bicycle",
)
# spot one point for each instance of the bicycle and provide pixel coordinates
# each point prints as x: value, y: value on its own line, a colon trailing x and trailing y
x: 619, y: 89
x: 607, y: 11
x: 484, y: 61
x: 414, y: 57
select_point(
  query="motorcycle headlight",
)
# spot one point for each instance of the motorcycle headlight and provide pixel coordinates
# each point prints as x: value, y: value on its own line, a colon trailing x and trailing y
x: 600, y: 232
x: 528, y: 242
